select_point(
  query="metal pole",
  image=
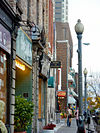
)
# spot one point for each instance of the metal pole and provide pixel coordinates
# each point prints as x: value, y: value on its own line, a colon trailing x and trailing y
x: 85, y: 84
x: 79, y: 36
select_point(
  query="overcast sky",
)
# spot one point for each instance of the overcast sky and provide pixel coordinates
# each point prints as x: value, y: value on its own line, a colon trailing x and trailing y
x: 89, y: 13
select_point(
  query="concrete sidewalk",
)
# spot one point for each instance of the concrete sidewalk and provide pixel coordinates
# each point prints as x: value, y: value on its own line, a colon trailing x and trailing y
x: 59, y: 125
x: 62, y: 127
x: 90, y: 126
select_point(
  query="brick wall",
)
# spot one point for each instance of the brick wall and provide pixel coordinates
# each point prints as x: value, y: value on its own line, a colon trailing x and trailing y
x: 62, y: 56
x: 63, y: 33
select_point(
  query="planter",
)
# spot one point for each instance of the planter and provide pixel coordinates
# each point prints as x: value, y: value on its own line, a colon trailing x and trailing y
x: 48, y: 131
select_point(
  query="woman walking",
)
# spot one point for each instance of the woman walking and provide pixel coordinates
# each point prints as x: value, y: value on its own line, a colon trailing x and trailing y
x: 69, y: 117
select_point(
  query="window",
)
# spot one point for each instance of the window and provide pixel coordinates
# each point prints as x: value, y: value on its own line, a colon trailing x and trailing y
x: 57, y: 13
x: 57, y: 2
x: 62, y: 16
x: 62, y: 5
x: 63, y: 10
x: 57, y: 19
x: 57, y: 7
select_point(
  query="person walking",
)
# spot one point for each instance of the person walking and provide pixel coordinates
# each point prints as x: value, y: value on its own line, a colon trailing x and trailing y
x: 77, y: 114
x: 69, y: 116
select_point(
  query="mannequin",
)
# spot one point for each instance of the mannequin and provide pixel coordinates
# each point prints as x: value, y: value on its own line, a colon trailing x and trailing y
x: 3, y: 128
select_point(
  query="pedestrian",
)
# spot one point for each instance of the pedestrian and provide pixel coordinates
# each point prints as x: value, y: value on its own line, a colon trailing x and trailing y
x: 69, y: 117
x: 76, y: 114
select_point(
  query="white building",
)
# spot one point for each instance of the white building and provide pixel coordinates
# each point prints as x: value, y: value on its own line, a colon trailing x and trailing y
x: 60, y: 10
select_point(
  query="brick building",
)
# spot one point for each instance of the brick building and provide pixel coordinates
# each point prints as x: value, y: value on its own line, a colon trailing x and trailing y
x: 64, y: 53
x: 63, y: 33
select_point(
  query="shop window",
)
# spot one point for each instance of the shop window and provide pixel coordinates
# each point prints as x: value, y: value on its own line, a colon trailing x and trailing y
x: 3, y: 82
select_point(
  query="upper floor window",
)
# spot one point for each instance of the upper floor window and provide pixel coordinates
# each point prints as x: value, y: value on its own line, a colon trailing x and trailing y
x: 57, y: 2
x: 57, y: 7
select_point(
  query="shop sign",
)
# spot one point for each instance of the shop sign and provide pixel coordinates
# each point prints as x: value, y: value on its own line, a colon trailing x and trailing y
x: 61, y: 93
x: 5, y: 39
x: 55, y: 64
x: 20, y: 65
x: 24, y: 46
x: 45, y: 65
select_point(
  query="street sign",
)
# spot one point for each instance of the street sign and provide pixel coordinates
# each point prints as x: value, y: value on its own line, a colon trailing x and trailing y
x: 55, y: 64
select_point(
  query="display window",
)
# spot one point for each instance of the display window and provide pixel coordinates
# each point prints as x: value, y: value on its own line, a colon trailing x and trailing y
x: 3, y: 76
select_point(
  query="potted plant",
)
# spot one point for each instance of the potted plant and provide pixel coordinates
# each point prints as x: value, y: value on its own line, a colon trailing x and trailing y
x: 23, y: 114
x: 49, y: 128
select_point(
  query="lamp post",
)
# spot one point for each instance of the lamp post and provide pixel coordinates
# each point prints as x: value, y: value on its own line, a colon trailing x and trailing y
x: 79, y: 28
x: 85, y: 86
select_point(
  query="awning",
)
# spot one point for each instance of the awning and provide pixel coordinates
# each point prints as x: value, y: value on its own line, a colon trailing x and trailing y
x: 70, y: 78
x: 71, y: 100
x: 73, y: 93
x: 61, y: 93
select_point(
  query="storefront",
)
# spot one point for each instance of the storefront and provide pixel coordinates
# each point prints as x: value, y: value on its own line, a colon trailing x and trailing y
x: 42, y: 97
x: 5, y: 51
x: 6, y: 29
x: 23, y: 65
x: 61, y: 95
x: 23, y: 83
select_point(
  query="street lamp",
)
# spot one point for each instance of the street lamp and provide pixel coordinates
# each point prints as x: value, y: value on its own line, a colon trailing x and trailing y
x: 85, y: 86
x: 79, y: 28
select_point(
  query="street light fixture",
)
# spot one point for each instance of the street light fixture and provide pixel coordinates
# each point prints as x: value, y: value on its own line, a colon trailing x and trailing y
x: 85, y: 86
x: 79, y: 28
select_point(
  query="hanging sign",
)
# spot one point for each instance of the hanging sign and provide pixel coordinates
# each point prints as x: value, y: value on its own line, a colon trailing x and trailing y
x: 55, y: 64
x: 24, y: 46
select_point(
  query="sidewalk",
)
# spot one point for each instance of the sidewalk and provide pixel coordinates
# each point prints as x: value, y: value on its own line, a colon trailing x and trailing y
x: 62, y: 127
x: 59, y: 125
x: 91, y: 126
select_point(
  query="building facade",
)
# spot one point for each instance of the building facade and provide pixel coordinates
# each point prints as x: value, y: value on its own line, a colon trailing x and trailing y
x: 61, y: 11
x: 64, y: 53
x: 9, y: 22
x: 30, y: 56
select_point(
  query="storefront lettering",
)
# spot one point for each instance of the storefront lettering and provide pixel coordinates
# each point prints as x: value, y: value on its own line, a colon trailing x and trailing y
x: 5, y: 39
x: 19, y: 65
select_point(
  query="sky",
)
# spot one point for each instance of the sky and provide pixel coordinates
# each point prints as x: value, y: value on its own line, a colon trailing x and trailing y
x: 88, y: 11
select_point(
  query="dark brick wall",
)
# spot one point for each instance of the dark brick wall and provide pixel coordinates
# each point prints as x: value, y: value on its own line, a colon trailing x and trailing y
x: 62, y: 56
x: 63, y: 33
